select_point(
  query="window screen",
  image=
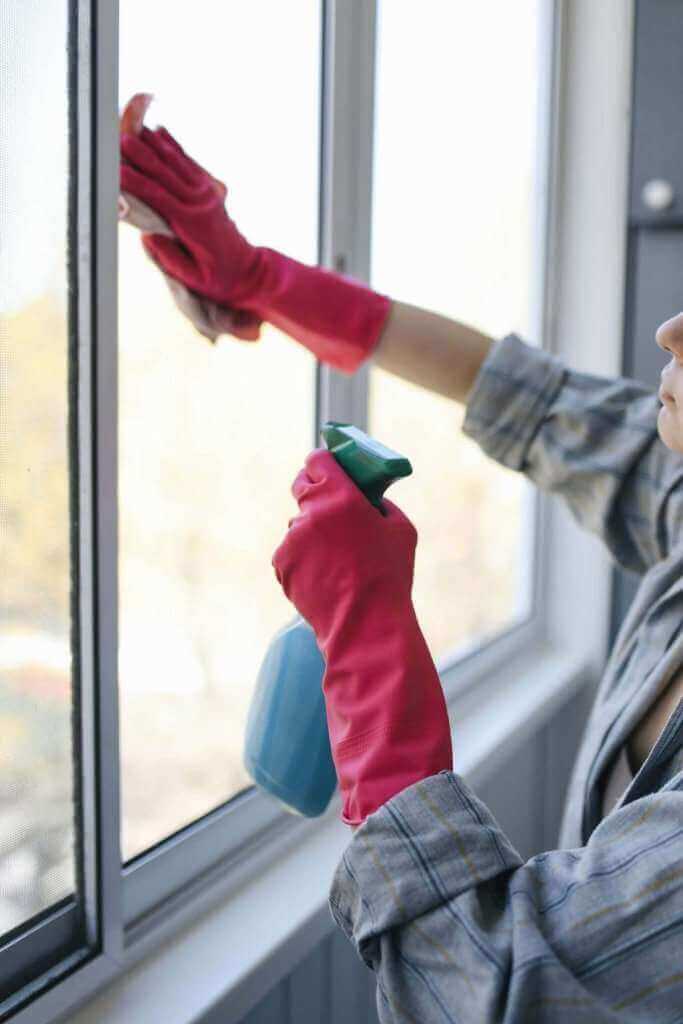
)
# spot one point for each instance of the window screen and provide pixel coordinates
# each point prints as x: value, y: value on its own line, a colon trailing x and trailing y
x: 210, y: 437
x: 454, y: 223
x: 36, y: 685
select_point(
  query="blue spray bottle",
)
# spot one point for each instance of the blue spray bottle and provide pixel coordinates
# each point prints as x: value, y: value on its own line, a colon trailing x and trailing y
x: 287, y: 746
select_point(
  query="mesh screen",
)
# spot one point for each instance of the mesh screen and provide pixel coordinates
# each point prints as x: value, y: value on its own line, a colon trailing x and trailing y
x: 36, y: 777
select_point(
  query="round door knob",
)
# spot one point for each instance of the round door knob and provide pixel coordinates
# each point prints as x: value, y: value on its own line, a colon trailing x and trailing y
x: 658, y: 194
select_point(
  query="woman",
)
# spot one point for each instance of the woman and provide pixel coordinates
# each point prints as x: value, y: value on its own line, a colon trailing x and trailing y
x: 431, y: 892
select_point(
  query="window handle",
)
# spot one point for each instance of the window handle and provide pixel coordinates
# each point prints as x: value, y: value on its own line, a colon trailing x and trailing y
x: 658, y: 194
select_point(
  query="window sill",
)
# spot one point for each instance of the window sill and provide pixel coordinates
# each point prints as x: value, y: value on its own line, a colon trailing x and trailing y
x: 256, y: 936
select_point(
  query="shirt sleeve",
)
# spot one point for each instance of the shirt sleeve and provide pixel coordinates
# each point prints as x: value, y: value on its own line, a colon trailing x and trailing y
x: 458, y: 929
x: 589, y: 439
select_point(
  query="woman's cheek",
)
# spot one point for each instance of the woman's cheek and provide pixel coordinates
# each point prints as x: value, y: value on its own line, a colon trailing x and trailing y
x: 670, y: 428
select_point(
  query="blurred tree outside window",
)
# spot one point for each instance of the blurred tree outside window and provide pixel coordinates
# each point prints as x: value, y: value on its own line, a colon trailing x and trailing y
x: 36, y: 700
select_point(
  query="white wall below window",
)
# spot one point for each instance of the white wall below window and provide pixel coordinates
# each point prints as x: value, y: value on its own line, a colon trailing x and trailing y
x: 258, y: 935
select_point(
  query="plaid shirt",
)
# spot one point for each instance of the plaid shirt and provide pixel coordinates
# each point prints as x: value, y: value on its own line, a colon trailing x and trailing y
x: 457, y: 927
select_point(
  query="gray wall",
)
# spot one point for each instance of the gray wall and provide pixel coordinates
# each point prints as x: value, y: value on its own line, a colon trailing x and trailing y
x: 654, y: 286
x: 331, y: 984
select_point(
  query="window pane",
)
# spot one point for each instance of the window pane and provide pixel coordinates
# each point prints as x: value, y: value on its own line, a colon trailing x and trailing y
x: 36, y: 700
x: 455, y: 167
x: 210, y: 436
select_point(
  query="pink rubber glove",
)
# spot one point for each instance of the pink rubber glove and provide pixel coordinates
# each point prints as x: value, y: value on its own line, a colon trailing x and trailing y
x: 337, y: 318
x: 348, y: 569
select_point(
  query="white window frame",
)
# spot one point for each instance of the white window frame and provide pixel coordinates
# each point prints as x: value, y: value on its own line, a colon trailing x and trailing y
x: 129, y: 914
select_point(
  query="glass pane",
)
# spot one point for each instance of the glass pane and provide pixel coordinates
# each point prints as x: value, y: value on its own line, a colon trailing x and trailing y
x: 36, y: 698
x: 210, y: 436
x: 455, y: 167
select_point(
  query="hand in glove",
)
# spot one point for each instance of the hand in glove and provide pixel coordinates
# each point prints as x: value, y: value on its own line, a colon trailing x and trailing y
x: 348, y: 569
x: 209, y: 318
x: 337, y: 318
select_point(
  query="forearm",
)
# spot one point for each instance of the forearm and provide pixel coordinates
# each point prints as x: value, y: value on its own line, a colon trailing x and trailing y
x: 386, y: 710
x: 433, y: 351
x: 340, y: 320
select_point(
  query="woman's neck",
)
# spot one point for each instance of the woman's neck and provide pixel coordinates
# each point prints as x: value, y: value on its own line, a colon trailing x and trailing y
x: 647, y: 732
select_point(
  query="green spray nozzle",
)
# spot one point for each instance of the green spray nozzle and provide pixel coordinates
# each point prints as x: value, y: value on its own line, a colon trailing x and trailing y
x: 371, y: 465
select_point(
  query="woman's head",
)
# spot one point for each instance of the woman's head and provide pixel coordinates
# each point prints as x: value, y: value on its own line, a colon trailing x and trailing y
x: 670, y: 421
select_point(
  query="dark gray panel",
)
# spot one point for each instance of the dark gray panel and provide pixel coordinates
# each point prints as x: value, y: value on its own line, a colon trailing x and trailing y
x: 274, y: 1009
x: 309, y: 987
x: 655, y: 291
x: 658, y: 91
x: 371, y: 992
x: 515, y: 798
x: 348, y: 983
x: 654, y: 287
x: 657, y: 283
x: 560, y: 740
x: 623, y: 591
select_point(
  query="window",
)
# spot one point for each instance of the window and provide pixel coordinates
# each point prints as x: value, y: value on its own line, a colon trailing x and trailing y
x: 39, y: 686
x: 37, y: 868
x: 210, y: 437
x: 456, y: 166
x: 145, y: 473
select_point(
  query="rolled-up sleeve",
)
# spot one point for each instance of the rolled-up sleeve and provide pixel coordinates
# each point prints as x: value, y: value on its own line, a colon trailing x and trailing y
x: 589, y: 439
x: 459, y: 929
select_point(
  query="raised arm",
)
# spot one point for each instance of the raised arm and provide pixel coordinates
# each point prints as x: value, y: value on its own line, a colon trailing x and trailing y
x: 433, y: 351
x: 591, y: 440
x: 187, y: 231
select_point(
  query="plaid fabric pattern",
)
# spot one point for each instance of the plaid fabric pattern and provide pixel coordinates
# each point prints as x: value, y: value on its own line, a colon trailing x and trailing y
x: 436, y: 900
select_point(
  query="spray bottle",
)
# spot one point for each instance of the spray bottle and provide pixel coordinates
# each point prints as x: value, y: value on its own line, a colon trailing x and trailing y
x: 287, y: 747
